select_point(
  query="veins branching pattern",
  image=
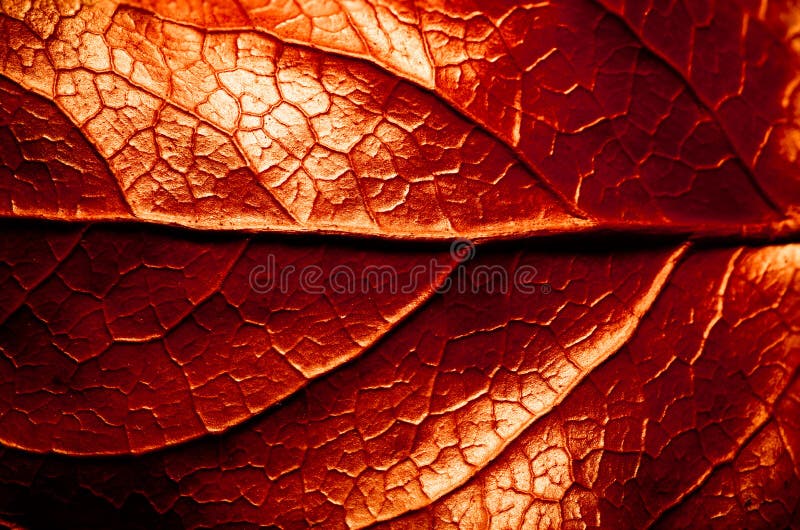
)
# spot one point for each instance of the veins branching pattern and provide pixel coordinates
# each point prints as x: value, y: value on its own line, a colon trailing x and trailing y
x: 640, y: 157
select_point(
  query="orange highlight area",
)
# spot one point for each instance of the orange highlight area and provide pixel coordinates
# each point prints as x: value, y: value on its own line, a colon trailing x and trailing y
x: 401, y: 264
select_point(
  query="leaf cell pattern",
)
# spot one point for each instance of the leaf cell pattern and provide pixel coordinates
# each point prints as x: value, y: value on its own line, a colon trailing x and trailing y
x: 185, y: 185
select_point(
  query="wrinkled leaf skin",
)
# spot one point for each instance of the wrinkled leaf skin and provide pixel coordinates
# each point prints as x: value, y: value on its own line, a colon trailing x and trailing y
x: 198, y: 353
x: 48, y: 167
x: 638, y: 160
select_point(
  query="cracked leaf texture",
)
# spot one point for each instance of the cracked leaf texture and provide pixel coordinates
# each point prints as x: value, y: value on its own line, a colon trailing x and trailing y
x: 187, y: 186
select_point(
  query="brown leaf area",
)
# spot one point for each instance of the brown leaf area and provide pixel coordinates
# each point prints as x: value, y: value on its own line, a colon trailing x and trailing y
x: 239, y: 284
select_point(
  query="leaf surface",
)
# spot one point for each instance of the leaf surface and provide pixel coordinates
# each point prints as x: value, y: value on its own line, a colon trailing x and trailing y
x: 222, y: 125
x: 644, y: 439
x: 138, y: 339
x: 666, y: 114
x: 399, y: 263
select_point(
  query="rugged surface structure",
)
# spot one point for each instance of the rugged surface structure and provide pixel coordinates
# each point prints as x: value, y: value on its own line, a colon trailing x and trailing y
x: 230, y: 297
